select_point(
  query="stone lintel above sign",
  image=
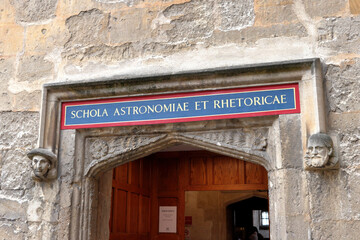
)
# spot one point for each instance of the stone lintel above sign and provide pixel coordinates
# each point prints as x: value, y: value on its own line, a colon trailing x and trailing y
x: 182, y: 107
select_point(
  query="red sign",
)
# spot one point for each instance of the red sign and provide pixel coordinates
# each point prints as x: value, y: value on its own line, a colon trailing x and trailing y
x: 188, y: 220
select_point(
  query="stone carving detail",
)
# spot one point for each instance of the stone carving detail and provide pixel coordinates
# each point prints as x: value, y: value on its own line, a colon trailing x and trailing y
x: 260, y: 142
x: 252, y: 139
x: 99, y: 148
x: 320, y: 153
x: 43, y: 164
x: 108, y: 147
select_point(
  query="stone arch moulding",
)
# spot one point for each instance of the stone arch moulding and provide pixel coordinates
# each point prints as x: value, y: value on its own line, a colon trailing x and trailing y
x: 85, y: 155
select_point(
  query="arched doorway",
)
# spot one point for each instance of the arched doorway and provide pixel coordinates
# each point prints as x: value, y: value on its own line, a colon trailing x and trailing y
x: 195, y: 185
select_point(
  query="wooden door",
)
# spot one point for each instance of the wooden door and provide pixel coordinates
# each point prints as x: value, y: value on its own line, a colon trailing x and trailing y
x: 130, y: 205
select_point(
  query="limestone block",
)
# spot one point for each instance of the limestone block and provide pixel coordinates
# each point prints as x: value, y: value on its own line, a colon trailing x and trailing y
x: 7, y: 12
x: 190, y: 20
x: 269, y: 12
x: 324, y: 196
x: 290, y: 197
x: 129, y: 3
x: 15, y: 171
x: 11, y: 39
x: 349, y: 190
x: 350, y: 148
x: 42, y: 231
x: 235, y: 15
x: 29, y: 11
x: 101, y: 53
x: 288, y: 201
x: 354, y: 6
x: 328, y: 229
x: 6, y: 73
x: 340, y: 34
x: 26, y: 101
x: 18, y: 135
x: 12, y: 230
x: 198, y: 19
x: 43, y: 39
x: 12, y: 210
x: 349, y: 229
x: 33, y: 68
x: 297, y: 227
x: 253, y: 34
x: 344, y: 122
x: 343, y: 86
x: 290, y: 141
x: 130, y: 25
x: 88, y: 28
x: 325, y: 8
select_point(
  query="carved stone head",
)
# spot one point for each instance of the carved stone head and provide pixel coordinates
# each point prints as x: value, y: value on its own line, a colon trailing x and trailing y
x: 43, y: 164
x: 319, y: 152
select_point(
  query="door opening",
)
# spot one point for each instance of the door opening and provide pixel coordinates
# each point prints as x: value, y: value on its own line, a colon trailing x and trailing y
x: 247, y: 216
x: 159, y: 196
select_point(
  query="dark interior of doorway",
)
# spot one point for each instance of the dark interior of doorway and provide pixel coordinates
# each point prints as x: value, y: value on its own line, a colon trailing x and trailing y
x: 244, y: 215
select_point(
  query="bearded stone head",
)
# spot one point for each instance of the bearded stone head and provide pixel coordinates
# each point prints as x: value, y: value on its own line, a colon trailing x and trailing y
x: 319, y: 151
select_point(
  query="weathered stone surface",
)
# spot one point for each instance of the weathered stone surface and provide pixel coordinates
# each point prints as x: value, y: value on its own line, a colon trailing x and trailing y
x: 340, y: 34
x: 289, y: 199
x: 18, y: 135
x: 253, y: 34
x: 102, y: 53
x: 350, y: 147
x: 12, y: 210
x: 325, y: 8
x: 332, y: 229
x: 130, y: 26
x: 127, y: 2
x: 29, y: 11
x: 47, y: 39
x: 191, y: 20
x: 88, y: 28
x: 354, y: 6
x: 343, y: 122
x: 324, y: 195
x: 235, y: 15
x: 198, y: 19
x: 343, y: 86
x: 12, y: 230
x: 350, y: 187
x: 11, y: 47
x: 7, y: 12
x: 26, y: 101
x: 41, y: 231
x: 6, y: 73
x: 33, y: 68
x: 290, y: 137
x: 270, y: 12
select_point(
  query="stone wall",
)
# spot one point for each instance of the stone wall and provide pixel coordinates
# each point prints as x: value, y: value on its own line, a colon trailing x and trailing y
x: 47, y: 41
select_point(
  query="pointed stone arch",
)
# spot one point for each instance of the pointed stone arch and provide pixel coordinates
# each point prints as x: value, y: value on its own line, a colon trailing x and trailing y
x: 123, y: 149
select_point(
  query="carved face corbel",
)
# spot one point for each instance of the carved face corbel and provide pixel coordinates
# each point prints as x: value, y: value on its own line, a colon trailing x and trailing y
x: 319, y: 153
x: 43, y: 164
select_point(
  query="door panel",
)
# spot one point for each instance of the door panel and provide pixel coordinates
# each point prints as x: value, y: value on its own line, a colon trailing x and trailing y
x: 130, y: 213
